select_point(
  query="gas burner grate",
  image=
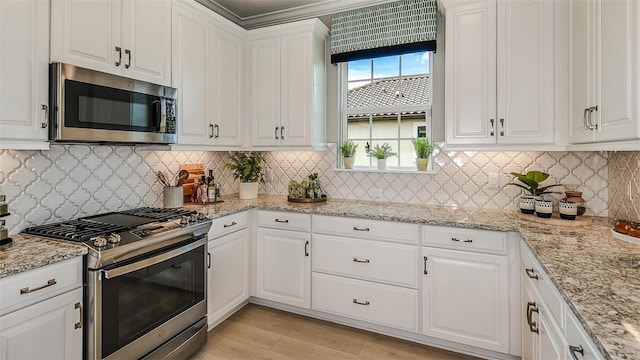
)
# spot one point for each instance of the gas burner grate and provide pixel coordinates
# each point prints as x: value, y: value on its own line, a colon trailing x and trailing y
x: 158, y: 213
x: 74, y: 230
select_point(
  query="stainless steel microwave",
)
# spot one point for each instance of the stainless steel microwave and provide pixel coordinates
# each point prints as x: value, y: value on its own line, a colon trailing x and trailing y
x: 92, y: 106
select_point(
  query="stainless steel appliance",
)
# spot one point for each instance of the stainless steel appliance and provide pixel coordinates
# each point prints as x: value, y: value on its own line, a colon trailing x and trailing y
x: 146, y: 281
x: 92, y: 106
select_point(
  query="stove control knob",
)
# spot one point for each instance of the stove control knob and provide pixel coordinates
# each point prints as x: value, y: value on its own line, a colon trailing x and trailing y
x: 184, y: 221
x: 201, y: 217
x: 114, y: 238
x: 100, y: 241
x: 194, y: 217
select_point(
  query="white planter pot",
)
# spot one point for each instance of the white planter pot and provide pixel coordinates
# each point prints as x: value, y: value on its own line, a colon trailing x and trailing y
x: 382, y: 164
x: 348, y: 162
x: 422, y: 164
x: 248, y: 190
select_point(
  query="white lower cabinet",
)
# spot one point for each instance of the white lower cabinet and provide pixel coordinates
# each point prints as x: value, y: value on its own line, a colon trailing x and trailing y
x: 465, y: 298
x: 283, y: 268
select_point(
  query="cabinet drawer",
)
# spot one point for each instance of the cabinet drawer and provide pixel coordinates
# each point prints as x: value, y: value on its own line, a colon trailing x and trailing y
x: 368, y: 260
x: 36, y: 285
x: 284, y: 220
x: 228, y: 224
x: 376, y: 303
x: 366, y: 229
x: 492, y: 242
x: 577, y: 339
x: 532, y: 273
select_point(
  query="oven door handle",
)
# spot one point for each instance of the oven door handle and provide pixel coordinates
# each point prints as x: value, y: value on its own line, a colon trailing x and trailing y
x: 115, y: 272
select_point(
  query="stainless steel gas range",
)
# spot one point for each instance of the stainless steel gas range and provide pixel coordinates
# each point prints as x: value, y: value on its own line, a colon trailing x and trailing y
x: 145, y: 281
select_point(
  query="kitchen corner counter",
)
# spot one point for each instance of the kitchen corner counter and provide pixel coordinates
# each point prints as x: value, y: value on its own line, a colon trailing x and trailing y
x: 28, y: 252
x: 598, y: 275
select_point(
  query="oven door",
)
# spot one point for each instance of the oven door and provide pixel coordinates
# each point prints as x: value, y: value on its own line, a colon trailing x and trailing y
x: 143, y: 303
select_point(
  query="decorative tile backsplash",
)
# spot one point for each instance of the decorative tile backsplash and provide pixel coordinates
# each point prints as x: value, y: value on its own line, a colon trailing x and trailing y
x: 70, y: 181
x: 624, y: 185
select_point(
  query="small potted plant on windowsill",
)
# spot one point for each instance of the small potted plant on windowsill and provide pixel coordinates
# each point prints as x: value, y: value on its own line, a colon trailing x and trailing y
x: 247, y: 169
x: 348, y: 150
x: 382, y: 153
x: 423, y: 151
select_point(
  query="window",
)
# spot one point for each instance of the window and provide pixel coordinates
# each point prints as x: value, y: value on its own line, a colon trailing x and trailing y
x: 387, y: 100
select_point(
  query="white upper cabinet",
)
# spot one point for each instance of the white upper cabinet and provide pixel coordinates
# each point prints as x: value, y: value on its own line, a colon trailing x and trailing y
x: 24, y: 58
x: 499, y: 72
x: 605, y: 71
x: 130, y: 38
x: 288, y: 85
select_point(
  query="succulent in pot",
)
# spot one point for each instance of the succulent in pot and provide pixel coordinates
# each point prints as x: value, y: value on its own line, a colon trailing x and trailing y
x: 382, y: 152
x: 348, y: 150
x: 248, y: 169
x: 423, y: 150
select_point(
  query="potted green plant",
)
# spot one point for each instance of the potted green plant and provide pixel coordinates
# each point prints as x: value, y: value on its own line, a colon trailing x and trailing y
x: 423, y: 150
x: 248, y: 169
x: 348, y: 150
x: 530, y: 182
x: 382, y: 153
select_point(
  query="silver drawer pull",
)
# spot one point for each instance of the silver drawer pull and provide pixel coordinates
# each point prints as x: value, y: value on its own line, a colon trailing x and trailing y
x: 531, y: 273
x: 365, y: 261
x: 360, y: 229
x: 78, y: 325
x: 233, y: 223
x: 355, y: 301
x: 285, y: 221
x: 27, y: 290
x: 468, y: 240
x: 455, y: 239
x: 576, y: 349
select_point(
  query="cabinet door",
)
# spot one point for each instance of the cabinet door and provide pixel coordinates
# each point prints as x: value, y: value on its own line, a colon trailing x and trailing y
x: 465, y: 298
x: 265, y: 92
x: 191, y: 74
x: 228, y: 282
x: 24, y: 58
x: 470, y: 73
x: 147, y: 38
x: 85, y: 33
x: 51, y: 329
x: 529, y: 336
x: 551, y: 344
x: 227, y: 91
x: 283, y: 267
x: 525, y: 72
x: 296, y: 90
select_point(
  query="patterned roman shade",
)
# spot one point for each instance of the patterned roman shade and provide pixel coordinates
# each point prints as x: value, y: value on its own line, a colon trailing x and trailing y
x: 389, y: 29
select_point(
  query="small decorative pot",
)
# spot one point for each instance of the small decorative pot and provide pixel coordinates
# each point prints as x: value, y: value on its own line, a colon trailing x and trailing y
x: 422, y: 164
x: 248, y: 190
x: 568, y: 210
x: 528, y: 204
x: 544, y: 208
x: 348, y: 162
x: 382, y: 164
x: 172, y: 197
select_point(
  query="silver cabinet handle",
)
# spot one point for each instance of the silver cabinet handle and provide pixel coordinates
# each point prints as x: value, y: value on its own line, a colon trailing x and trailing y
x: 208, y: 260
x: 425, y: 265
x: 233, y: 223
x: 26, y: 290
x: 365, y: 261
x: 584, y: 118
x: 45, y: 123
x: 456, y: 239
x: 285, y: 221
x: 366, y: 303
x: 78, y: 325
x: 306, y: 248
x: 128, y: 64
x: 590, y: 125
x: 217, y: 128
x: 277, y: 132
x: 119, y: 50
x: 531, y: 273
x: 501, y: 127
x: 576, y: 349
x: 211, y: 128
x: 531, y: 308
x: 493, y: 133
x: 360, y: 229
x: 282, y: 132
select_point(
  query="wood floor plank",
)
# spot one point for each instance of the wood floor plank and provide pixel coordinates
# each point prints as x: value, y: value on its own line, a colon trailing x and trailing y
x: 239, y: 350
x: 308, y: 351
x: 439, y: 354
x: 374, y: 350
x: 248, y: 334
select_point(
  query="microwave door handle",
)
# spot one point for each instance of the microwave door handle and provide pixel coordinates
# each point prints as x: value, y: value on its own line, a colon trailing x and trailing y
x: 115, y: 272
x: 156, y: 114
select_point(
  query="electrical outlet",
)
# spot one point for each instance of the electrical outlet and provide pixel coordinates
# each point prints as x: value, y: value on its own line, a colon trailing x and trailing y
x: 375, y: 193
x: 494, y: 182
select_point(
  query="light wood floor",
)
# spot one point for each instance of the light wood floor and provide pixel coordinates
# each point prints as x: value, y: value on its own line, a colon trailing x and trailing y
x: 258, y: 332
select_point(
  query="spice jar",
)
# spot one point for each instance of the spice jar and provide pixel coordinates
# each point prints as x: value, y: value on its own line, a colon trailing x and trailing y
x: 4, y: 208
x: 576, y: 197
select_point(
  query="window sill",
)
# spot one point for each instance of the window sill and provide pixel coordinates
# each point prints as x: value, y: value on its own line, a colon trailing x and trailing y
x: 389, y: 171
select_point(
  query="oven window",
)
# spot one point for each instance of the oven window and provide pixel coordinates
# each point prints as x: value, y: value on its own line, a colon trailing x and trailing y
x: 137, y: 302
x: 99, y: 107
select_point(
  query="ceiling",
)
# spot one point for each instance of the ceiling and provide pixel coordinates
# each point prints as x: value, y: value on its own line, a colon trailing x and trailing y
x: 251, y: 14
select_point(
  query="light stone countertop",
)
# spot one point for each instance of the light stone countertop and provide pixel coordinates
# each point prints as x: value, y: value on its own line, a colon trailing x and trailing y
x: 598, y: 275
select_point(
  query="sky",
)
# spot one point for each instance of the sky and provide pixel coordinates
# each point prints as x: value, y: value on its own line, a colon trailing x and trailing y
x: 412, y: 64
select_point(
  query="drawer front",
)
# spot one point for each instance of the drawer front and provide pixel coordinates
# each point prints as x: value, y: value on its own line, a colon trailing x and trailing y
x: 367, y: 229
x: 36, y: 285
x: 485, y: 241
x: 375, y: 303
x: 577, y: 340
x: 284, y: 220
x: 228, y: 224
x: 389, y: 263
x: 533, y: 274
